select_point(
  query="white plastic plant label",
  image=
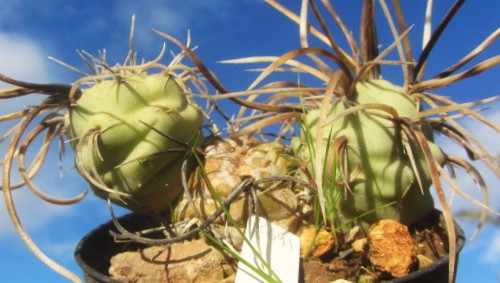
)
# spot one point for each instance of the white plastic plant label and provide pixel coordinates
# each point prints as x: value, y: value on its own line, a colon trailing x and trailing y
x: 268, y: 242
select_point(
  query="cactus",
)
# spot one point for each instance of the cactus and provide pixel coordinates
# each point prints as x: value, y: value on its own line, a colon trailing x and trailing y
x: 129, y: 151
x: 367, y: 144
x: 229, y: 161
x: 378, y: 156
x: 131, y: 130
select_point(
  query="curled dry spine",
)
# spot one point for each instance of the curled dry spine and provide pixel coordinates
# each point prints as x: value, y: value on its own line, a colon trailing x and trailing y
x: 132, y: 128
x: 369, y: 126
x: 349, y: 97
x: 135, y: 131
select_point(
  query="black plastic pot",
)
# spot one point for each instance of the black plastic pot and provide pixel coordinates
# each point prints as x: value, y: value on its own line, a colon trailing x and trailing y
x: 94, y: 251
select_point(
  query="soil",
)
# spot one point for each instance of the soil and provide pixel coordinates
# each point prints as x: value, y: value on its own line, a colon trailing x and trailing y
x: 428, y: 238
x: 351, y: 260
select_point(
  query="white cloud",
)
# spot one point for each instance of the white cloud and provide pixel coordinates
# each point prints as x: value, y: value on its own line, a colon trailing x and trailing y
x: 21, y: 59
x: 24, y: 59
x: 489, y: 139
x: 34, y: 213
x: 62, y: 249
x: 491, y: 254
x: 49, y: 223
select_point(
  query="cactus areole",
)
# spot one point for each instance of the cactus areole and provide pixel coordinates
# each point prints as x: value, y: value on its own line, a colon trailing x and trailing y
x: 379, y: 165
x: 120, y: 131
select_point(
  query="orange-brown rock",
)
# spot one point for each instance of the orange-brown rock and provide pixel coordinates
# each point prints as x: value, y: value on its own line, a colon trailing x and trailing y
x: 315, y: 242
x: 391, y: 248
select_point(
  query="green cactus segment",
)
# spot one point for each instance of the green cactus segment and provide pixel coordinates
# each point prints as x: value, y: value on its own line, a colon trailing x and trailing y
x: 130, y: 156
x: 378, y: 161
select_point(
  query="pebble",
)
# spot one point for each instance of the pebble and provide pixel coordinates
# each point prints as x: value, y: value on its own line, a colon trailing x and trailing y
x: 391, y: 248
x: 315, y: 243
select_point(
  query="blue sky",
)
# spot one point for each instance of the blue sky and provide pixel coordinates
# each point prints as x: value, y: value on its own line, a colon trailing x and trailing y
x: 30, y: 31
